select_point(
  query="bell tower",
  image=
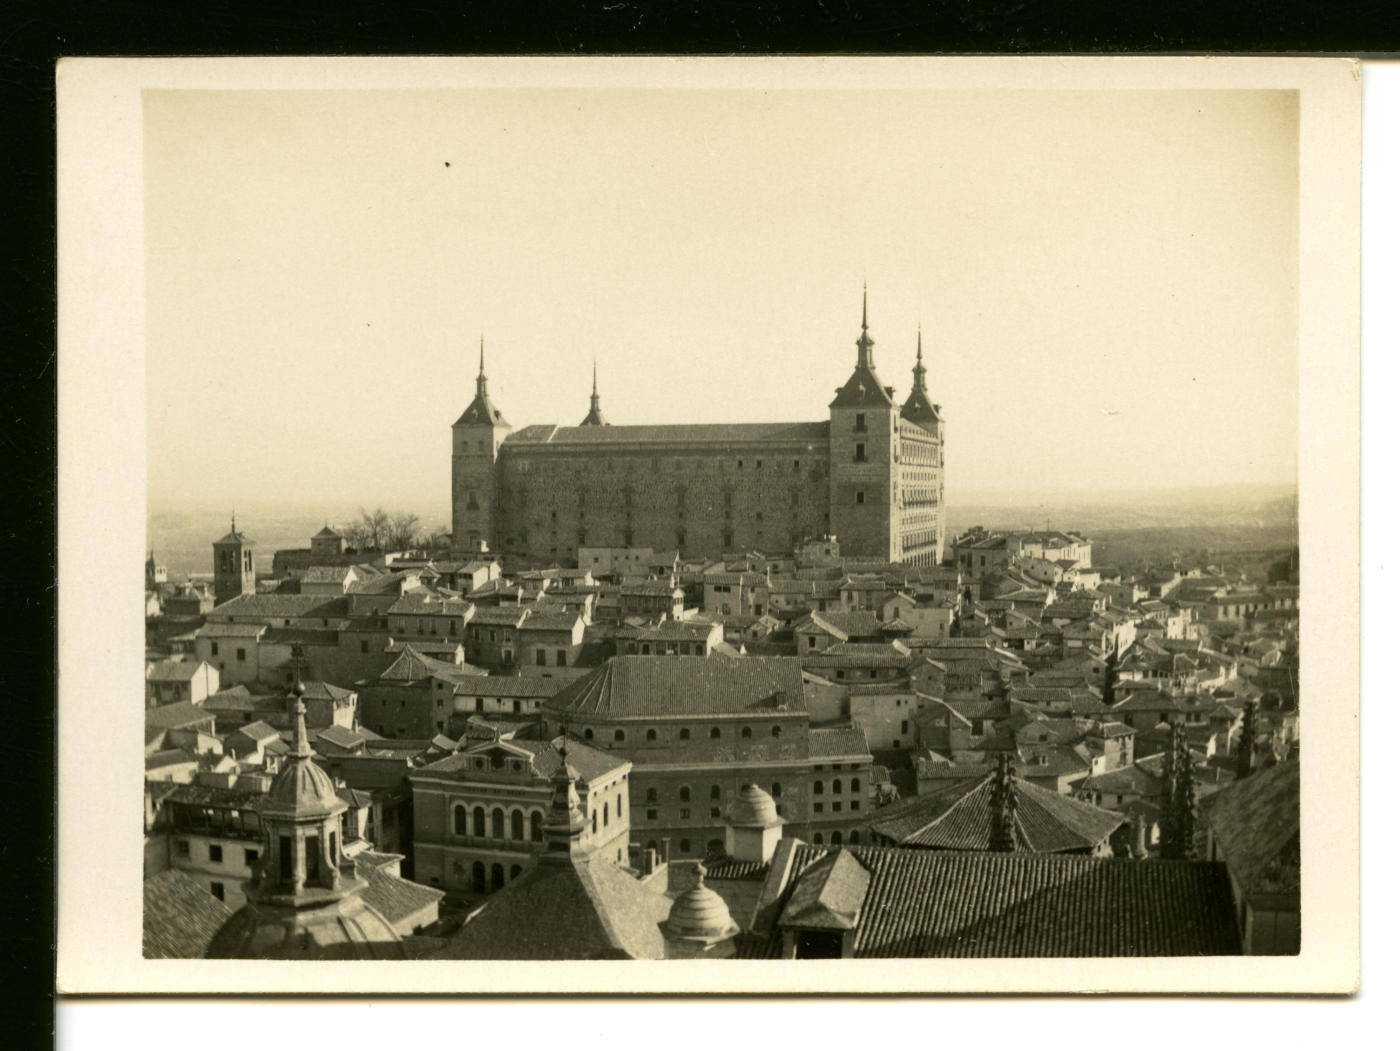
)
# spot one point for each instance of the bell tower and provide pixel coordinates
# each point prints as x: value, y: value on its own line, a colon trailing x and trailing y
x: 863, y: 490
x: 233, y: 565
x: 476, y: 445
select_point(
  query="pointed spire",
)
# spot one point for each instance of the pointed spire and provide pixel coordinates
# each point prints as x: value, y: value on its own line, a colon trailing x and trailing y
x: 920, y: 373
x: 864, y: 345
x: 481, y: 369
x: 595, y: 413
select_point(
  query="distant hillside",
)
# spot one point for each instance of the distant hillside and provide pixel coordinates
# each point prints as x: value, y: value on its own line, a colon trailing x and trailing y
x: 1189, y: 524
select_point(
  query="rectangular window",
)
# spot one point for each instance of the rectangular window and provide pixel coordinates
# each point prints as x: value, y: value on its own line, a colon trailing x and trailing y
x: 855, y: 804
x: 651, y: 815
x: 860, y: 421
x: 685, y: 813
x: 539, y: 657
x: 242, y: 654
x: 714, y: 812
x: 216, y: 853
x: 250, y: 858
x: 860, y: 496
x: 860, y: 452
x: 835, y: 806
x: 217, y: 889
x: 213, y: 649
x: 364, y: 645
x: 816, y: 808
x: 182, y: 848
x: 560, y: 658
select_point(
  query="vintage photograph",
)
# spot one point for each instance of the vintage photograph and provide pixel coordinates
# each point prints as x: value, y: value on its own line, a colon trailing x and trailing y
x: 726, y: 522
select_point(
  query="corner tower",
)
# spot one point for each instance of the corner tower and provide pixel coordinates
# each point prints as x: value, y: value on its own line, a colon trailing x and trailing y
x: 233, y: 565
x: 921, y: 471
x: 863, y: 492
x: 476, y: 444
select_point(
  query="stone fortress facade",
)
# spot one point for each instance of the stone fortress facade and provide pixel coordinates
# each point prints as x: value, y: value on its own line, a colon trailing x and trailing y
x: 871, y: 474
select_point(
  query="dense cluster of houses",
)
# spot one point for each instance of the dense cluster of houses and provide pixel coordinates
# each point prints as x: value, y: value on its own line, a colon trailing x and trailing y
x: 746, y: 756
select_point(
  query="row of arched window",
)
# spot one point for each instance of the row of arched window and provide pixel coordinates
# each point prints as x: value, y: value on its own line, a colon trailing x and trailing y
x: 818, y: 787
x: 496, y: 821
x: 497, y: 876
x: 652, y: 734
x: 683, y: 794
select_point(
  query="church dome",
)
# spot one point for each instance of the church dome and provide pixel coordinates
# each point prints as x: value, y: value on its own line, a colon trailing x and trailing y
x: 700, y: 914
x: 302, y: 787
x: 753, y: 808
x: 345, y: 929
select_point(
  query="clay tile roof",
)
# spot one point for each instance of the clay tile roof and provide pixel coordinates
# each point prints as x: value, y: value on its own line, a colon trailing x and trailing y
x: 930, y: 903
x: 394, y: 898
x: 959, y: 817
x: 1255, y: 822
x: 179, y: 918
x: 837, y: 742
x: 721, y: 434
x: 177, y: 716
x: 829, y: 894
x: 685, y: 686
x: 588, y: 909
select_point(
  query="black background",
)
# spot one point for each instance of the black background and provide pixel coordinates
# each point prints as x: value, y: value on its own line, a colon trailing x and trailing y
x: 36, y: 35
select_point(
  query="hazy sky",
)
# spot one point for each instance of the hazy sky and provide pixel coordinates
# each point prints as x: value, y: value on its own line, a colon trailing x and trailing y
x: 1107, y: 281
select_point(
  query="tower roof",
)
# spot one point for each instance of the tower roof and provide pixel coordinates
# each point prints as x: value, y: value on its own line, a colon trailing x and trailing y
x: 302, y: 789
x: 917, y: 407
x: 233, y: 536
x: 482, y: 410
x: 864, y: 387
x: 595, y: 416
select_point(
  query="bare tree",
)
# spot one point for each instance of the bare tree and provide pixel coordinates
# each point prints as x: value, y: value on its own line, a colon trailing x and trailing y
x: 376, y: 525
x: 401, y: 531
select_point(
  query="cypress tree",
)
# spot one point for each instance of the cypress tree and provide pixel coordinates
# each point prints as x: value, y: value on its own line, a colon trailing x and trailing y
x: 1185, y: 802
x: 1244, y: 760
x: 1003, y: 838
x: 1110, y: 677
x: 1170, y: 839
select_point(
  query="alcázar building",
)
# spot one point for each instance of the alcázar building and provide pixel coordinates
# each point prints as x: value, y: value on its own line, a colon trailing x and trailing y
x: 871, y: 474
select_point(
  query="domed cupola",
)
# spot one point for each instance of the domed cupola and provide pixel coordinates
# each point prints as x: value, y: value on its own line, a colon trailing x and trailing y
x: 304, y: 900
x: 699, y: 924
x: 752, y: 825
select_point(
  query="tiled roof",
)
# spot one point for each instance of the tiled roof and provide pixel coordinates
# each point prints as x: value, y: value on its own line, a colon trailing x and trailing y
x: 507, y: 686
x: 177, y: 716
x: 231, y: 631
x: 498, y: 616
x: 179, y: 917
x: 860, y: 655
x: 837, y: 743
x: 325, y: 574
x: 420, y: 603
x: 680, y: 686
x: 842, y: 625
x: 1255, y: 822
x: 394, y: 898
x: 173, y: 670
x: 258, y: 731
x: 170, y: 757
x: 671, y: 631
x: 551, y: 621
x: 412, y: 666
x: 341, y: 737
x: 590, y: 762
x: 929, y: 903
x: 324, y: 691
x: 589, y: 909
x: 273, y: 606
x: 721, y: 434
x: 959, y: 817
x: 381, y: 584
x: 828, y: 895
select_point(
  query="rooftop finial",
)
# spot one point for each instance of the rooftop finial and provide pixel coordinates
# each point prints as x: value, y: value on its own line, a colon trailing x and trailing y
x: 919, y: 350
x: 481, y: 356
x: 595, y: 377
x: 233, y: 521
x: 864, y: 293
x: 299, y: 709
